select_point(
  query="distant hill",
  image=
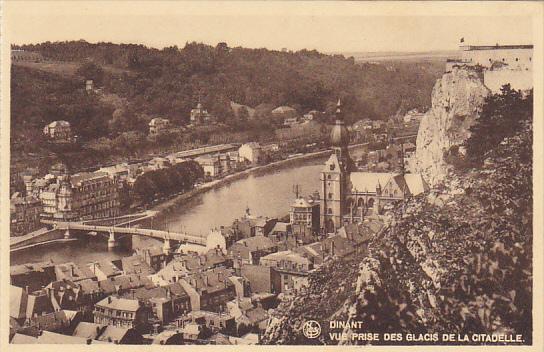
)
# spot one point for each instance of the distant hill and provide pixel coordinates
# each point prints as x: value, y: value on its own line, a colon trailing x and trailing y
x: 169, y: 81
x: 134, y: 83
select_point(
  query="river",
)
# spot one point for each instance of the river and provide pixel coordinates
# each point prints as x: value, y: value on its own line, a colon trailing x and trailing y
x: 266, y: 192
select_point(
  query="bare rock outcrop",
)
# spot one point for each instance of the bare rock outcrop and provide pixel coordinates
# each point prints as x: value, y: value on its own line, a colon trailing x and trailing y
x: 457, y: 99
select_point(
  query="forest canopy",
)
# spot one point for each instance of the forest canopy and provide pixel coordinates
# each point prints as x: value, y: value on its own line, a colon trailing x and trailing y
x: 168, y: 82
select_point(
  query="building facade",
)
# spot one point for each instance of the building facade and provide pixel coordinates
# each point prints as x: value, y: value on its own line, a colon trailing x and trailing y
x: 24, y: 215
x: 58, y: 131
x: 83, y: 196
x: 121, y: 312
x: 500, y: 64
x: 211, y: 165
x: 293, y: 268
x: 250, y: 152
x: 158, y: 126
x: 200, y: 116
x: 348, y: 195
x: 304, y: 217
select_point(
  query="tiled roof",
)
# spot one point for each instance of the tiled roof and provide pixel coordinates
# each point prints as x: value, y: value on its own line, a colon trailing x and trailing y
x: 88, y: 330
x: 136, y: 265
x: 78, y: 178
x: 286, y: 255
x: 23, y: 339
x: 106, y: 267
x: 113, y: 333
x: 176, y: 289
x: 211, y: 280
x: 301, y: 203
x: 281, y: 227
x: 416, y: 184
x: 89, y: 286
x: 51, y: 321
x: 255, y: 243
x: 368, y: 181
x: 117, y: 303
x: 73, y: 272
x: 143, y: 293
x: 29, y: 267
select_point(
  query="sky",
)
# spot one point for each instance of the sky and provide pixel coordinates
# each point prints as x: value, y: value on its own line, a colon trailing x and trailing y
x: 325, y: 26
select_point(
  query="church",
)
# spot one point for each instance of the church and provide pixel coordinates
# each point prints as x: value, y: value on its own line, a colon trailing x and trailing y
x: 348, y: 195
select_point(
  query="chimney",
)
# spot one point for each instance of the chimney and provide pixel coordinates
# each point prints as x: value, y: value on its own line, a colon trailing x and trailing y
x: 26, y: 289
x: 206, y: 280
x: 109, y: 299
x: 332, y: 248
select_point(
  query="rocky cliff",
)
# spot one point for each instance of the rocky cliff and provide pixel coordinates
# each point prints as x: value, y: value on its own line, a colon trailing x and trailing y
x: 456, y: 101
x: 456, y: 260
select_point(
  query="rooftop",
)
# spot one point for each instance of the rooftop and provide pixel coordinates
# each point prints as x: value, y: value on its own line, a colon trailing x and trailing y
x: 494, y: 47
x: 117, y: 303
x: 78, y: 178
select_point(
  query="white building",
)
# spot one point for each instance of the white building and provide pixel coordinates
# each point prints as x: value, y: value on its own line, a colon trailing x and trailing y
x: 501, y: 64
x: 251, y: 152
x: 158, y: 125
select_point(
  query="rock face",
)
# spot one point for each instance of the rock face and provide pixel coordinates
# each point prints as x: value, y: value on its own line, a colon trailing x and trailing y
x: 456, y: 102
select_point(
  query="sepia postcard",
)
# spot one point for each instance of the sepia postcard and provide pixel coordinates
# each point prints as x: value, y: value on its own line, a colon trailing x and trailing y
x: 257, y: 175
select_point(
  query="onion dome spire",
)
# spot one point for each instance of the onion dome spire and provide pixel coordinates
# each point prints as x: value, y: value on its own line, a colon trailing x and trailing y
x: 339, y: 133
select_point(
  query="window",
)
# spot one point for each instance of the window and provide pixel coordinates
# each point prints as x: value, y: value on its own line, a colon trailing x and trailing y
x: 328, y: 178
x: 329, y: 210
x: 330, y: 195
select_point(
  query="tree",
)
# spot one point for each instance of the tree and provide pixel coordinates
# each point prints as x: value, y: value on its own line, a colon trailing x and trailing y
x: 145, y: 188
x: 92, y: 71
x: 501, y: 117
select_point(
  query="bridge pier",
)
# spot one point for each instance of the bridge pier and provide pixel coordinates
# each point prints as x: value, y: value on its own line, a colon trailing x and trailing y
x: 67, y: 234
x: 166, y: 248
x: 112, y: 243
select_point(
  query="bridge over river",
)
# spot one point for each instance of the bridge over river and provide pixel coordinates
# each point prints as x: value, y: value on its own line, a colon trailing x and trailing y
x: 114, y: 232
x: 166, y: 236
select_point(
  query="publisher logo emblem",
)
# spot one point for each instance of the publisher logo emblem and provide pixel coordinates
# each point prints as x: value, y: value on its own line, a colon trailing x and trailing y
x: 311, y: 329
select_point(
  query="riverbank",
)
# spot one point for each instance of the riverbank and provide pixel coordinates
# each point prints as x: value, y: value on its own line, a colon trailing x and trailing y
x: 158, y: 216
x: 170, y: 205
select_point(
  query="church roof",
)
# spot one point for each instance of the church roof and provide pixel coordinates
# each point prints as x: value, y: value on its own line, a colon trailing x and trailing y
x: 368, y: 181
x: 416, y: 184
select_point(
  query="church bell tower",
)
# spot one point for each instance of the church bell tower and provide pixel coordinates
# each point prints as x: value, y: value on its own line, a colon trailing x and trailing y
x: 335, y: 177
